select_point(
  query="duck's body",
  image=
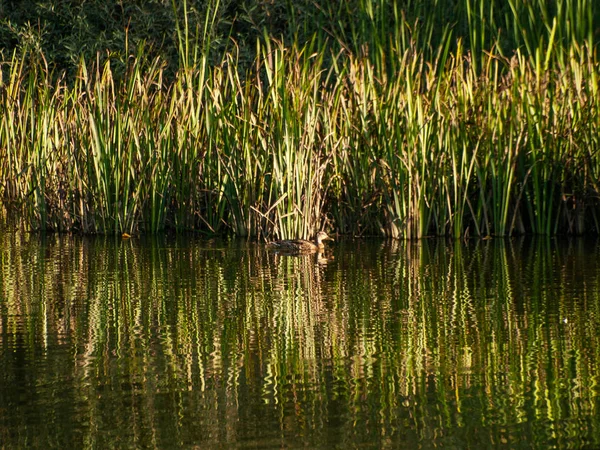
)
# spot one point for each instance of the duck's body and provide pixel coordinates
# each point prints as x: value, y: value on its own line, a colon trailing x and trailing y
x: 301, y: 245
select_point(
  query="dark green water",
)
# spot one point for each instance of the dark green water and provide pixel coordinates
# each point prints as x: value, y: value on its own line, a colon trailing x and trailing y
x: 187, y: 343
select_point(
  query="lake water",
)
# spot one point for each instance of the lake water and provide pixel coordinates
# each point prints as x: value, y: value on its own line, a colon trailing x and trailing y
x: 184, y: 342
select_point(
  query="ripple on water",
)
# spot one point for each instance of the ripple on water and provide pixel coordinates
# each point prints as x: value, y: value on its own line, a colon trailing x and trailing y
x: 185, y: 342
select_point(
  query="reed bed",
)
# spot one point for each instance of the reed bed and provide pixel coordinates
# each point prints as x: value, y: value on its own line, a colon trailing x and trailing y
x: 397, y: 138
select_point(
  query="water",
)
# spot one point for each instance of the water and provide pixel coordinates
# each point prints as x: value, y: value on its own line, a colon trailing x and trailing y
x: 192, y: 343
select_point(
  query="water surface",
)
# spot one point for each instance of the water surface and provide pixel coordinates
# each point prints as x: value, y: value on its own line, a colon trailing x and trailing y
x: 193, y: 343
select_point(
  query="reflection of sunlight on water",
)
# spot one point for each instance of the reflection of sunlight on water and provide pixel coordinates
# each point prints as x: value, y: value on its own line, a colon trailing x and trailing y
x: 374, y: 343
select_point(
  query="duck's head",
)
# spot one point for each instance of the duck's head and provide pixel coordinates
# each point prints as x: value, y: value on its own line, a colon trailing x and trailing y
x: 322, y: 236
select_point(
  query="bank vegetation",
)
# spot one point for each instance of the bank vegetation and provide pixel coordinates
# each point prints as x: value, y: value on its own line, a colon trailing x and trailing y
x: 394, y: 123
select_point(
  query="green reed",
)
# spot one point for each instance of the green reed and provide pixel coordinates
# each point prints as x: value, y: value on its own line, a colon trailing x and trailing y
x: 409, y: 135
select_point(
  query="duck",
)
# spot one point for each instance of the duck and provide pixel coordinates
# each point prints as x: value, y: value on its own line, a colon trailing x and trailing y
x: 301, y: 245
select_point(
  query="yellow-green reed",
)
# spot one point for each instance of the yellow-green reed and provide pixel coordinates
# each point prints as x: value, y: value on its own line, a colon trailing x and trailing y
x: 297, y: 142
x: 391, y: 139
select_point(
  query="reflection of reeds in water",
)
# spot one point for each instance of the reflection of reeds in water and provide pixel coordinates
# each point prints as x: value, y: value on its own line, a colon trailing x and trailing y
x: 426, y: 336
